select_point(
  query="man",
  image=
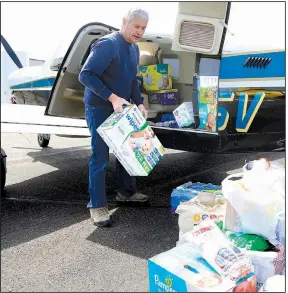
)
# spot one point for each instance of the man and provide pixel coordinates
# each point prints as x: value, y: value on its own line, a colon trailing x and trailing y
x: 109, y: 77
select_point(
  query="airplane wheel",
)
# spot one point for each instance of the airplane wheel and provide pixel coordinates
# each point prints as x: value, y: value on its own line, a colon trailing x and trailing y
x: 3, y: 175
x: 43, y: 140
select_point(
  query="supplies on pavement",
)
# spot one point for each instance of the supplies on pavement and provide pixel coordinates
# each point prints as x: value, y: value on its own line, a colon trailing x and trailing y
x: 132, y: 141
x: 188, y: 191
x: 184, y: 269
x: 249, y: 241
x: 228, y: 260
x: 205, y: 204
x: 256, y: 201
x: 229, y: 233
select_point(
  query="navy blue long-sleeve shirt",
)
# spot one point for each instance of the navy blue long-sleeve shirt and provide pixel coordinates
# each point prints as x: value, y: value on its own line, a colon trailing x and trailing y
x: 111, y: 67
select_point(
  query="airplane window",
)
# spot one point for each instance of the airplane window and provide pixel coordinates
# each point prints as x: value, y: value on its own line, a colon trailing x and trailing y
x: 59, y: 56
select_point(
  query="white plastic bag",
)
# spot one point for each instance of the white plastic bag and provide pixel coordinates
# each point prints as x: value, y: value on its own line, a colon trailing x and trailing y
x: 281, y: 228
x: 263, y: 173
x: 267, y: 264
x: 257, y: 209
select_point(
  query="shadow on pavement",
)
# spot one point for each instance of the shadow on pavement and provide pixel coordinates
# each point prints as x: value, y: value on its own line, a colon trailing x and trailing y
x: 140, y: 231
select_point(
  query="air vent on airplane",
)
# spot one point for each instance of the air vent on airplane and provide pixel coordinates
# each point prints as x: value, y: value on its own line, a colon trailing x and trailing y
x: 197, y: 35
x: 257, y: 62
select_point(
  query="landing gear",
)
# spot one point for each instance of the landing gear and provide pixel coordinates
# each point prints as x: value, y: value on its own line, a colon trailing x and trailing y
x: 43, y: 140
x: 3, y: 170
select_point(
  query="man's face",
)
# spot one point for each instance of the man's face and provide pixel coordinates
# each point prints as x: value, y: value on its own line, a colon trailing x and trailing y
x: 134, y: 30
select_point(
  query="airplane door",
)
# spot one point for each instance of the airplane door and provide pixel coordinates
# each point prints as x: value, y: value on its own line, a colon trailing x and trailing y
x: 66, y: 97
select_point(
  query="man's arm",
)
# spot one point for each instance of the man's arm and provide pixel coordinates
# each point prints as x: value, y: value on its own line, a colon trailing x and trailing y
x: 135, y: 93
x: 97, y: 62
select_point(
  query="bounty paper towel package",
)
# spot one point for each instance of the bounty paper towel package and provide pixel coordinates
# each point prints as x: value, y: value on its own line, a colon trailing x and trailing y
x: 184, y: 114
x: 132, y: 141
x: 156, y: 77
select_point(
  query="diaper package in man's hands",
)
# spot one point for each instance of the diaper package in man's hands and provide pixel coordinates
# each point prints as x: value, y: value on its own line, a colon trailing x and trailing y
x: 132, y: 141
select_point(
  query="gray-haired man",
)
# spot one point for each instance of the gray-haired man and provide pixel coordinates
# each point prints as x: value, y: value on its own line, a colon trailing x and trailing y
x: 109, y: 77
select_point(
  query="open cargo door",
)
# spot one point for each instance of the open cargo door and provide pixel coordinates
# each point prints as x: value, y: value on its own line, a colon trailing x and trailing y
x: 66, y: 98
x: 201, y: 27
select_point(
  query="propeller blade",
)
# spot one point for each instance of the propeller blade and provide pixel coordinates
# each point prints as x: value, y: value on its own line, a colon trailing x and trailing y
x: 11, y: 52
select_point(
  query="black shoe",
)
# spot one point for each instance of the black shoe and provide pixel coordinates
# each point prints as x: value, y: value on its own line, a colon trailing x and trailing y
x: 103, y: 224
x: 137, y: 197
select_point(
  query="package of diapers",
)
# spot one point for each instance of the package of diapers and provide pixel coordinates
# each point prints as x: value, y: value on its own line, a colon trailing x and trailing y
x: 156, y: 77
x: 184, y: 114
x: 132, y: 141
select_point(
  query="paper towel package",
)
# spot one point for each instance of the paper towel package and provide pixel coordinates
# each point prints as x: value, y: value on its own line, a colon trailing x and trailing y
x: 132, y: 141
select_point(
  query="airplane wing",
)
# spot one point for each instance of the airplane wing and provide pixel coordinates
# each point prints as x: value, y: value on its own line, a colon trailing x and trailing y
x: 31, y: 119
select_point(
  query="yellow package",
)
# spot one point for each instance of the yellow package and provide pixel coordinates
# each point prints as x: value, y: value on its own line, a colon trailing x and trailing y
x: 156, y: 77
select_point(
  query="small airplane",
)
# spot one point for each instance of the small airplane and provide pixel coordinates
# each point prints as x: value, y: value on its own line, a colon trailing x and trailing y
x: 236, y: 82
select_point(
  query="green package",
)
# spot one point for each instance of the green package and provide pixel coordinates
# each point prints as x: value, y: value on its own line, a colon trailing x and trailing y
x: 249, y: 241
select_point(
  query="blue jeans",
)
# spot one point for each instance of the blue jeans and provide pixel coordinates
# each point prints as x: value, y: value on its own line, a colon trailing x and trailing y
x: 125, y: 184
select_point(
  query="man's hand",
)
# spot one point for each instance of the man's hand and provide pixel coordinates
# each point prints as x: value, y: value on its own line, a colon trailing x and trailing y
x: 143, y: 111
x: 118, y: 103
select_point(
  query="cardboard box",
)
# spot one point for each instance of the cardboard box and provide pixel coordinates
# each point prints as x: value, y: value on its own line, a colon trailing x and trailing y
x: 179, y: 270
x: 207, y: 102
x: 156, y: 77
x: 165, y: 97
x: 132, y: 141
x: 184, y: 114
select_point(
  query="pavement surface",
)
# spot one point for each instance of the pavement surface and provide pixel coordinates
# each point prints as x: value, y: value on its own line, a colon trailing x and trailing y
x: 48, y: 242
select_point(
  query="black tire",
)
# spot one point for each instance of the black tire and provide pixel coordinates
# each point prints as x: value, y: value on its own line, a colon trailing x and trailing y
x: 42, y: 140
x: 3, y: 176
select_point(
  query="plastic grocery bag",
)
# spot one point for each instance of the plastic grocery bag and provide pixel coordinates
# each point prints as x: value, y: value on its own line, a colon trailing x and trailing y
x: 274, y: 284
x: 228, y: 260
x: 264, y: 173
x: 281, y: 228
x: 253, y: 210
x: 204, y: 205
x: 267, y: 263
